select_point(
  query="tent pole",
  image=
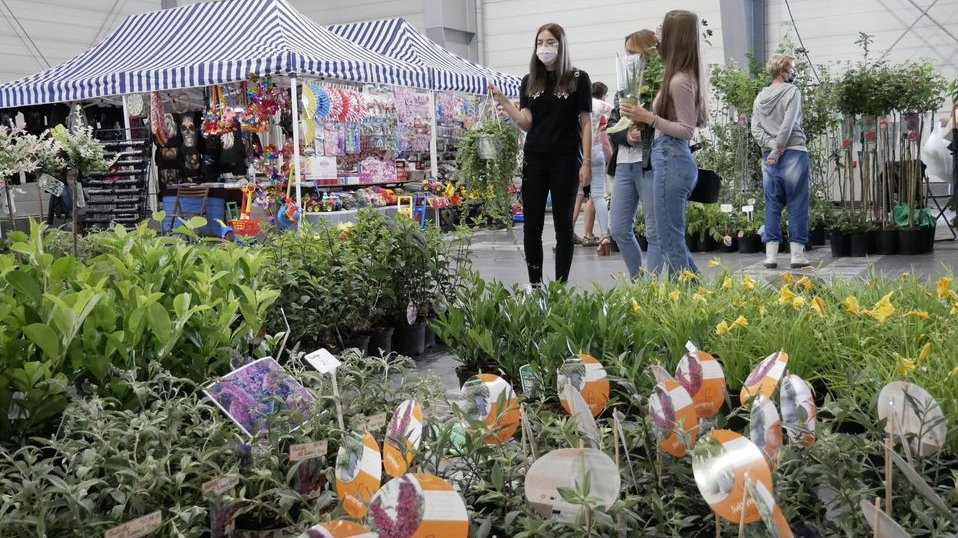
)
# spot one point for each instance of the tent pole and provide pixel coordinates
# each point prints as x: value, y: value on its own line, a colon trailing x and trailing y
x: 126, y: 120
x: 433, y: 142
x: 294, y: 95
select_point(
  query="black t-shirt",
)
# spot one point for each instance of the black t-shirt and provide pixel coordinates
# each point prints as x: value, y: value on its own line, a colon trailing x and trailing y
x: 555, y: 119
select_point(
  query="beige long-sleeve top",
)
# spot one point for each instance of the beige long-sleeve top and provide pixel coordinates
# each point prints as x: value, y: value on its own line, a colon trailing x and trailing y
x: 683, y: 91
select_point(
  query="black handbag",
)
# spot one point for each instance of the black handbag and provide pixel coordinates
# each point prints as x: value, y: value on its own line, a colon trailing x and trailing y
x: 707, y: 188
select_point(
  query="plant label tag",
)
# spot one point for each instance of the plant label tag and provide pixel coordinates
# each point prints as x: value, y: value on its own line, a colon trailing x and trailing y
x: 323, y: 360
x: 691, y: 347
x: 727, y: 208
x: 220, y: 485
x: 748, y: 208
x: 306, y: 451
x: 530, y: 382
x: 137, y: 528
x: 376, y: 422
x: 50, y: 185
x: 411, y: 313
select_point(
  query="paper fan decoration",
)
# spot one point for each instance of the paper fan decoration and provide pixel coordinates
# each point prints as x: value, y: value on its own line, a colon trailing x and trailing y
x: 764, y: 378
x: 322, y: 101
x: 798, y: 409
x: 482, y: 396
x: 402, y: 438
x: 765, y: 428
x: 340, y: 528
x: 703, y: 377
x: 344, y: 111
x: 721, y: 462
x: 588, y: 377
x: 355, y: 107
x: 335, y: 103
x: 672, y: 411
x: 358, y: 472
x: 418, y: 506
x: 136, y: 105
x: 568, y: 468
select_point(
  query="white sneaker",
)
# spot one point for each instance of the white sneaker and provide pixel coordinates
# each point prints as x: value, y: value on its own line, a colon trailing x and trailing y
x: 771, y: 255
x: 798, y: 256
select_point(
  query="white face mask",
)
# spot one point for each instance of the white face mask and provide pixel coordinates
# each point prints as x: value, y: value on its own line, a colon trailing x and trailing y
x: 546, y: 54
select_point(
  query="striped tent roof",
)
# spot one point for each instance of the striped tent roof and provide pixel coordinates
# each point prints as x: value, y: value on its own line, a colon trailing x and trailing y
x: 204, y: 44
x: 397, y: 39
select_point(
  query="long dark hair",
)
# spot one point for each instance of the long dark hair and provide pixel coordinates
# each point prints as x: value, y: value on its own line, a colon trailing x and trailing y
x: 565, y: 74
x: 680, y: 51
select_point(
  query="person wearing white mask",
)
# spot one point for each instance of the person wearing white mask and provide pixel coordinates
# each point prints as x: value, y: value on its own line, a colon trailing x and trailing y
x: 555, y: 109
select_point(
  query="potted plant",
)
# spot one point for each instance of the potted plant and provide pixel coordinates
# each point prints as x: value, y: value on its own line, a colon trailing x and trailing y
x: 696, y: 222
x: 749, y: 241
x: 486, y: 160
x: 640, y: 230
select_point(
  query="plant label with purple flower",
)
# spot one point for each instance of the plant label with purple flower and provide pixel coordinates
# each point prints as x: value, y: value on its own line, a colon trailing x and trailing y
x: 402, y: 438
x: 673, y: 418
x: 703, y: 377
x: 253, y: 394
x: 764, y: 378
x: 418, y: 506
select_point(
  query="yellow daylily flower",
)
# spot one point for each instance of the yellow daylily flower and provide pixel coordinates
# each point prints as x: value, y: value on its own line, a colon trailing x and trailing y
x: 748, y: 283
x: 851, y: 304
x: 674, y: 296
x: 635, y: 306
x: 787, y: 277
x: 798, y: 301
x: 806, y: 283
x: 943, y: 285
x: 715, y: 262
x: 949, y: 296
x: 905, y: 276
x: 727, y: 283
x: 924, y: 353
x: 818, y: 306
x: 699, y: 297
x: 919, y: 314
x: 904, y: 366
x: 953, y: 372
x: 722, y: 328
x: 687, y: 276
x: 954, y: 308
x: 739, y: 322
x: 762, y: 310
x: 883, y: 309
x: 785, y: 296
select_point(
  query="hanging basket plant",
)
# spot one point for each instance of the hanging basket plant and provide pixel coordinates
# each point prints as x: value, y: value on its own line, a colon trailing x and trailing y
x: 487, y: 164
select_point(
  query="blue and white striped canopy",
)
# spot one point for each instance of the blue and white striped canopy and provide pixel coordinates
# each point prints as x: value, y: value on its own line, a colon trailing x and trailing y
x: 204, y: 44
x: 397, y: 39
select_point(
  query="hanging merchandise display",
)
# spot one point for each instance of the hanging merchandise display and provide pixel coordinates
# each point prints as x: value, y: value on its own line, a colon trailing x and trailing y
x: 263, y: 101
x: 219, y: 117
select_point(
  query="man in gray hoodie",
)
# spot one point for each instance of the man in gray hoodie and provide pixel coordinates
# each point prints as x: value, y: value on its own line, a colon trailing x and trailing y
x: 777, y: 127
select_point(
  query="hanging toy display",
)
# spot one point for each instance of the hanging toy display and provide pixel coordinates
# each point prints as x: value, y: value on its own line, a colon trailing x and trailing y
x: 219, y: 117
x: 289, y: 213
x: 263, y: 101
x: 157, y: 119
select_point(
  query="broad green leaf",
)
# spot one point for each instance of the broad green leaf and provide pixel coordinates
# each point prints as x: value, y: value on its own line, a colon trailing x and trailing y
x: 44, y: 338
x: 196, y: 222
x: 24, y: 283
x: 159, y: 321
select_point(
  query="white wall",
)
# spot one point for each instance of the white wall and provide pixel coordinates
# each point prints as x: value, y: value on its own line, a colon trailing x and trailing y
x: 596, y: 30
x: 830, y: 28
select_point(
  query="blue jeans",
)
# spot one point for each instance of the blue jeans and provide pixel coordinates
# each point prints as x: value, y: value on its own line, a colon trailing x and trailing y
x: 674, y: 175
x: 630, y: 186
x: 786, y: 184
x: 597, y: 190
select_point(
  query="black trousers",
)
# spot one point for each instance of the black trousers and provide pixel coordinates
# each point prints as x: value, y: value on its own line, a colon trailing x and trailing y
x: 543, y: 174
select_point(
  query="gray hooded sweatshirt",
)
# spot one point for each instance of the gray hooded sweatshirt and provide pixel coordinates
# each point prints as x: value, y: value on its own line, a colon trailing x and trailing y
x: 777, y: 118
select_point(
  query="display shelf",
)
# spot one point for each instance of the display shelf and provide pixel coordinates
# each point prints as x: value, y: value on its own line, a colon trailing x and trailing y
x: 118, y: 195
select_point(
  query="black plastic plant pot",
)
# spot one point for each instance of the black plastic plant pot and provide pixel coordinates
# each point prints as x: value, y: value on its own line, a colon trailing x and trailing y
x: 887, y: 241
x: 381, y: 342
x: 912, y: 241
x: 410, y: 340
x: 858, y: 244
x: 643, y: 244
x: 750, y: 244
x: 692, y: 242
x: 841, y: 245
x: 430, y: 338
x: 728, y: 248
x: 816, y: 236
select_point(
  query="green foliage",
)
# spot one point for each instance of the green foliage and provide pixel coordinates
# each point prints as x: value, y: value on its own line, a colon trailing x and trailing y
x: 66, y: 323
x: 738, y: 87
x: 490, y: 179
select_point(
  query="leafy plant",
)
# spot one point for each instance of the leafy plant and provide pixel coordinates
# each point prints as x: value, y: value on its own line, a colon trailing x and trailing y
x: 489, y: 179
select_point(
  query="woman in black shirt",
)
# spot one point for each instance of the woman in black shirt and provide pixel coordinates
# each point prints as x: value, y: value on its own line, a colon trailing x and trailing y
x: 555, y: 109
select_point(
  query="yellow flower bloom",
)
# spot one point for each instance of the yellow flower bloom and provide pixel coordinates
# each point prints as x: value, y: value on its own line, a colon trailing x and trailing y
x: 739, y: 322
x: 762, y: 310
x: 851, y: 304
x: 715, y: 262
x: 905, y: 276
x: 785, y: 296
x: 954, y: 308
x: 819, y: 306
x: 635, y: 306
x: 924, y: 353
x: 687, y: 276
x: 699, y: 297
x: 904, y: 366
x: 953, y: 372
x: 674, y: 296
x: 883, y: 309
x: 806, y: 283
x: 798, y: 301
x: 727, y: 283
x: 943, y: 286
x: 949, y: 296
x: 748, y: 283
x: 787, y: 277
x: 920, y: 314
x: 722, y: 328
